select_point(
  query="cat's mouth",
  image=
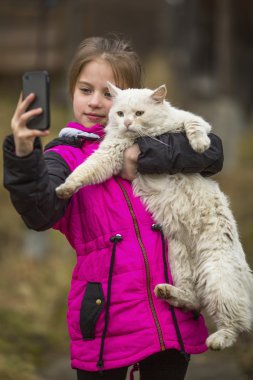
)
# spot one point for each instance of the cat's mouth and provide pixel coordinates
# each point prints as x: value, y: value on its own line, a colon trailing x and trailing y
x: 128, y: 131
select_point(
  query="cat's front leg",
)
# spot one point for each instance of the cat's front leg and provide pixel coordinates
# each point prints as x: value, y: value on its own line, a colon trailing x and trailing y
x: 101, y: 165
x: 197, y: 130
x: 80, y: 177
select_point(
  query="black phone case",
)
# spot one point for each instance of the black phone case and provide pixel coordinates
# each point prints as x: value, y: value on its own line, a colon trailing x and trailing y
x: 38, y: 83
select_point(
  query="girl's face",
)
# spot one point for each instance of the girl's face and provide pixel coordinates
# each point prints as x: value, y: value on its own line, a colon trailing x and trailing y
x: 91, y: 99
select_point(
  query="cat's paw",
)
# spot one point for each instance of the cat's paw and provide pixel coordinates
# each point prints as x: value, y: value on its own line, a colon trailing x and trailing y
x: 64, y: 191
x: 162, y: 291
x: 169, y: 294
x: 177, y: 297
x: 220, y: 340
x: 200, y: 144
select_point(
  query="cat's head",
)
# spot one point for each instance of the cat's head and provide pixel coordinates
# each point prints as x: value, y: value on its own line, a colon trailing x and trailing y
x: 134, y: 112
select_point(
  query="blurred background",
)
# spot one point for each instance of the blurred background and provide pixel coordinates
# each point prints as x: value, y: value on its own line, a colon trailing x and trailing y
x: 203, y: 51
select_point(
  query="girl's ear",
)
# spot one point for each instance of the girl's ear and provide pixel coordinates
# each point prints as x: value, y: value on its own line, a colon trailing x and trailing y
x: 159, y: 94
x: 114, y: 91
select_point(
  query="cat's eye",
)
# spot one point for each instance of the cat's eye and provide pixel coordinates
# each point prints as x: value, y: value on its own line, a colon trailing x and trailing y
x: 120, y: 113
x: 139, y: 113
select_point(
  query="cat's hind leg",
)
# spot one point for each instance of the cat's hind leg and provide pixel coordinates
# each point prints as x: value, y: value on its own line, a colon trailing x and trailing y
x: 182, y: 294
x: 232, y: 317
x: 177, y: 297
x: 221, y: 339
x: 221, y: 287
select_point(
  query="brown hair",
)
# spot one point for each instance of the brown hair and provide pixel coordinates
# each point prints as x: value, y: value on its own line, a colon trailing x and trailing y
x: 125, y: 63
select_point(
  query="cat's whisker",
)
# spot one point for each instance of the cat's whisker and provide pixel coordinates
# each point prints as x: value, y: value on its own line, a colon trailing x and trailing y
x: 152, y: 137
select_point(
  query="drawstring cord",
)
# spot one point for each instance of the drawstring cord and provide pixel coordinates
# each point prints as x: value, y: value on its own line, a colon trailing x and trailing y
x: 114, y: 239
x: 158, y: 227
x: 134, y: 368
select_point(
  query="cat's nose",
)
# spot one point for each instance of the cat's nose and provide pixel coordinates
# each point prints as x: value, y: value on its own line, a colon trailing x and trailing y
x: 127, y: 123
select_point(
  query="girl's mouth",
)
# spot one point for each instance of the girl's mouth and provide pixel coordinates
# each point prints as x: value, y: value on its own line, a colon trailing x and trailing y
x: 93, y: 117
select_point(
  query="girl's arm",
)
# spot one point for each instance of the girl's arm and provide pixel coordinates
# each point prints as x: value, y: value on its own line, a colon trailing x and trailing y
x: 31, y: 181
x: 171, y: 153
x: 30, y: 177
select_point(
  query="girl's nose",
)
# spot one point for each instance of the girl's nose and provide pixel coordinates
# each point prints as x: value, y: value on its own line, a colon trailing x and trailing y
x: 95, y: 100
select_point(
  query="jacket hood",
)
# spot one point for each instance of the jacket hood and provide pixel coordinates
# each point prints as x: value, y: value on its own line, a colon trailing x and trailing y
x: 75, y: 129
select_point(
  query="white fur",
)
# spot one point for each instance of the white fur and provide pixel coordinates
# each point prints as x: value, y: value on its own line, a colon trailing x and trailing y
x: 207, y: 260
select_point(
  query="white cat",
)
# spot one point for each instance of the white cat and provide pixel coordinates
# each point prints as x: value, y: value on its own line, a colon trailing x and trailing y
x: 207, y: 260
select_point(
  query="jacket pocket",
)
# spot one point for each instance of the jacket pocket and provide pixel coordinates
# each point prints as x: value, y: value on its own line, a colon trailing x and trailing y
x: 91, y: 308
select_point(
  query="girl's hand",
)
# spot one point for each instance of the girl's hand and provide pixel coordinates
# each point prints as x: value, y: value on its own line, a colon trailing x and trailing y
x: 23, y: 136
x: 129, y: 169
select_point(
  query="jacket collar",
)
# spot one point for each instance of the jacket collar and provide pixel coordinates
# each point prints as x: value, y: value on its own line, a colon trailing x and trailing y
x: 75, y: 129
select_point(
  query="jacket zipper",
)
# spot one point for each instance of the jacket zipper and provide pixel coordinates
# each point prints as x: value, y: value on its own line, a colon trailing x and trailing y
x: 143, y: 250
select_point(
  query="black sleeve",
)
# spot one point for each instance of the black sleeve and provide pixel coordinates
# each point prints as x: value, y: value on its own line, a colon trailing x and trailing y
x: 171, y: 153
x: 31, y: 181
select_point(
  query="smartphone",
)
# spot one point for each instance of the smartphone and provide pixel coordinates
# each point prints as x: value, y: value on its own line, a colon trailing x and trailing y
x: 38, y: 82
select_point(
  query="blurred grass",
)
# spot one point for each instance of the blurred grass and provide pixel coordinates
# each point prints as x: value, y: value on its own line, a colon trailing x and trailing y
x: 238, y: 185
x: 33, y: 294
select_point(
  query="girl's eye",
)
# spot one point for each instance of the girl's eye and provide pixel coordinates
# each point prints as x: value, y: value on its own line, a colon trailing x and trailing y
x: 139, y: 113
x: 120, y: 113
x: 85, y: 90
x: 108, y: 95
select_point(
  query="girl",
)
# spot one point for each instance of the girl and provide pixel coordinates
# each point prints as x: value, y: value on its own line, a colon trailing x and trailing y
x: 114, y: 318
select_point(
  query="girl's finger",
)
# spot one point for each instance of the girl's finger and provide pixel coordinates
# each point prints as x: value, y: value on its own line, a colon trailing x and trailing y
x: 20, y: 98
x: 25, y: 117
x: 27, y: 134
x: 24, y: 104
x: 41, y: 133
x: 20, y: 122
x: 36, y: 133
x: 18, y: 106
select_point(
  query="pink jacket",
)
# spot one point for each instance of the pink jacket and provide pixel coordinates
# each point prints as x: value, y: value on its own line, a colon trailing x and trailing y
x: 114, y: 318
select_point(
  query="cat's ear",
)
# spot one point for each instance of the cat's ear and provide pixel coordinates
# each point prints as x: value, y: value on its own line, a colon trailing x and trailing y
x: 159, y: 94
x: 114, y: 91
